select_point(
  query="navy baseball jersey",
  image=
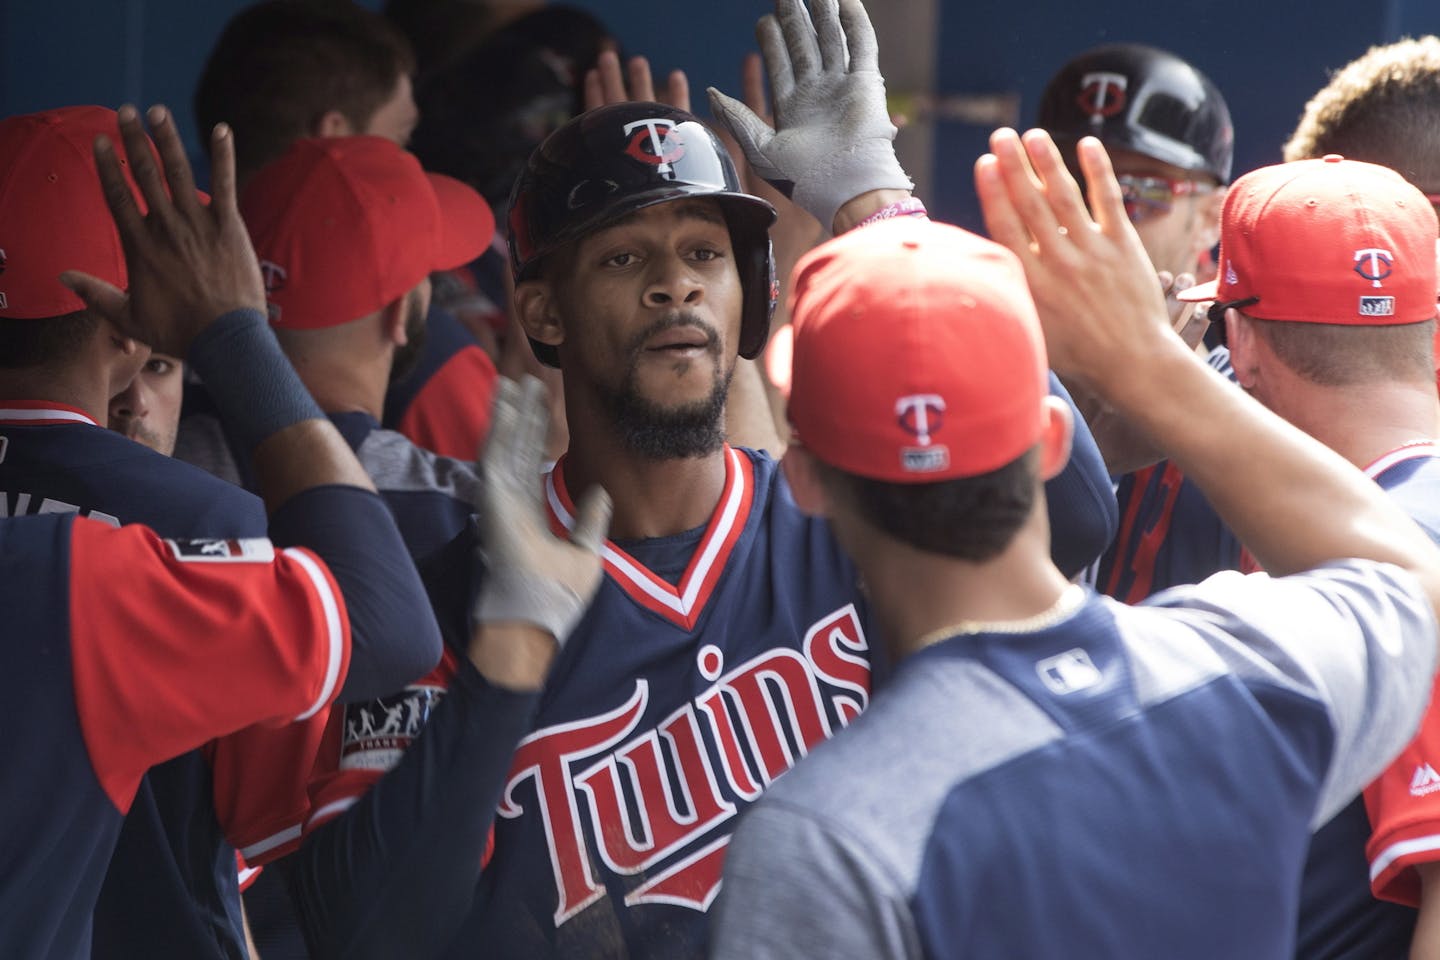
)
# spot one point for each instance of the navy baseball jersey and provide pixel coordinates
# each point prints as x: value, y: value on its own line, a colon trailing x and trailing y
x: 1340, y: 919
x: 1169, y: 534
x: 172, y: 874
x: 1131, y: 782
x: 124, y: 650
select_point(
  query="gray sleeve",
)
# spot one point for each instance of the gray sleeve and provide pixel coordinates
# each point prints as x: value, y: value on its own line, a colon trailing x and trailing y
x: 1358, y: 636
x: 795, y: 889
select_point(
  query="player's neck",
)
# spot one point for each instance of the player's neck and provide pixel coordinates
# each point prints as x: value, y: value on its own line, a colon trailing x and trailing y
x: 921, y: 597
x: 71, y: 386
x: 340, y: 382
x: 653, y: 498
x: 1365, y: 422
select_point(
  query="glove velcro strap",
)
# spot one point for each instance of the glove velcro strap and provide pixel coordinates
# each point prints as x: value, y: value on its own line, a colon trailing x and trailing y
x: 517, y: 596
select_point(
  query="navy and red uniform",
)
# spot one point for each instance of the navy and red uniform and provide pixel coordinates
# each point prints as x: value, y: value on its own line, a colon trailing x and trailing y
x: 172, y: 885
x: 1169, y: 533
x: 444, y: 404
x: 1340, y: 918
x: 123, y: 651
x: 1129, y: 783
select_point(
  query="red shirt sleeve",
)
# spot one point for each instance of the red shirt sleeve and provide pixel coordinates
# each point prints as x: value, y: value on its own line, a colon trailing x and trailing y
x: 451, y: 413
x: 1404, y: 808
x: 174, y: 643
x: 261, y: 777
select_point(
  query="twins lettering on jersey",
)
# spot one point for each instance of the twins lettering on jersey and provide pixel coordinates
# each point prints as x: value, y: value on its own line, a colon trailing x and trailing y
x: 658, y: 803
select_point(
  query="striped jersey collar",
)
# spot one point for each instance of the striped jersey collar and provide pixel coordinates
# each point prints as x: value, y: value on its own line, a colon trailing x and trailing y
x: 41, y: 413
x: 1413, y: 450
x: 683, y: 604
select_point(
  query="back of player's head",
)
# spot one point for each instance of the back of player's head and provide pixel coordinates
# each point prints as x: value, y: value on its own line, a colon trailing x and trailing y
x: 1142, y: 99
x: 482, y: 114
x: 615, y: 160
x: 281, y: 65
x: 344, y: 226
x: 1337, y: 258
x: 53, y: 217
x: 1382, y: 108
x: 920, y: 380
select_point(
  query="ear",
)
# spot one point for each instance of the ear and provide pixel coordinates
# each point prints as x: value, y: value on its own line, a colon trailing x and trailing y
x: 1212, y: 205
x: 333, y: 123
x: 803, y: 475
x: 535, y: 308
x: 392, y: 322
x: 1242, y: 340
x: 1056, y: 435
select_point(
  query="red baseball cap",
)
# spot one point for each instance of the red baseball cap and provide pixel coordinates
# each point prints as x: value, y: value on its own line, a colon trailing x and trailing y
x: 345, y: 225
x: 918, y: 354
x: 53, y: 215
x: 1326, y: 241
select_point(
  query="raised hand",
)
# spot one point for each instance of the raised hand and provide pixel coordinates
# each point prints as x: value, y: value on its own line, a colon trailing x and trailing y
x: 531, y: 575
x: 189, y: 263
x: 1094, y: 286
x: 604, y: 83
x: 833, y: 139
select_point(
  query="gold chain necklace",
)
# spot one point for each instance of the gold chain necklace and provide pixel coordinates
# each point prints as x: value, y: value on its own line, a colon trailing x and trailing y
x: 1069, y: 600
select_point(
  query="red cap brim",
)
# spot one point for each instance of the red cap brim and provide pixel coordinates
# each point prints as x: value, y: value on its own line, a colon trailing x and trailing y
x: 467, y: 224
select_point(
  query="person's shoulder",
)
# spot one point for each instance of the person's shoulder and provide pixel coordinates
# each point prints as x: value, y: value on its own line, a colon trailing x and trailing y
x: 396, y: 464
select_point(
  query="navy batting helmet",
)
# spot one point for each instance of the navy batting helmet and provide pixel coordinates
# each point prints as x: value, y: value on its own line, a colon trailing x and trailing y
x: 1143, y: 99
x: 614, y: 160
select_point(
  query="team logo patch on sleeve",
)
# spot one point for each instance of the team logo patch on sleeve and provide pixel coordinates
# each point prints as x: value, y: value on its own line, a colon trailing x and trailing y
x: 255, y: 550
x: 378, y: 732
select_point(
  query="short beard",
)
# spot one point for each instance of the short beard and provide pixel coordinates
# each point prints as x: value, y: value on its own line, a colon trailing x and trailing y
x: 658, y: 433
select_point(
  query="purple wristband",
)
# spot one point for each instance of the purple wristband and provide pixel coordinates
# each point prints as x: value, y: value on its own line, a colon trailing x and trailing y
x: 909, y: 207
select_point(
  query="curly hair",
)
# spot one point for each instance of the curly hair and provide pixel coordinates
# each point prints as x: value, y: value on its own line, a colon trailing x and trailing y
x: 1381, y: 108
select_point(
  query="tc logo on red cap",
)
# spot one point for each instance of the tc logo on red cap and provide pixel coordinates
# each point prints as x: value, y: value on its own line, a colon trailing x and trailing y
x: 654, y: 142
x: 920, y: 414
x: 274, y: 276
x: 1374, y: 264
x: 1102, y: 94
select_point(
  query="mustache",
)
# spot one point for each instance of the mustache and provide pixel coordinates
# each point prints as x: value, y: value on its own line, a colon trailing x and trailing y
x: 681, y: 318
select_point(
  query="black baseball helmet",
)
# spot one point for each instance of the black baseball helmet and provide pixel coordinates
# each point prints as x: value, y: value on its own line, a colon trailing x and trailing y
x: 614, y: 160
x: 1143, y: 99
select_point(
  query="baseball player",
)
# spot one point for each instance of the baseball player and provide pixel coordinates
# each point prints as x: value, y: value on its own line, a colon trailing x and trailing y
x: 104, y: 622
x: 1377, y: 109
x: 282, y: 71
x: 728, y: 636
x: 173, y: 874
x: 1133, y: 781
x: 1168, y: 130
x: 1329, y: 303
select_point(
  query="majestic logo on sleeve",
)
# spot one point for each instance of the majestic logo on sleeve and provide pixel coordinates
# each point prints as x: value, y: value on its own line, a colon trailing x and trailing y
x: 1102, y: 95
x: 1425, y: 781
x: 657, y: 804
x: 921, y: 414
x: 654, y: 142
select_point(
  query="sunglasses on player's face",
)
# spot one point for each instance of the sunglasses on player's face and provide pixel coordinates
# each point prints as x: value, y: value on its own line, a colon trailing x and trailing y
x: 1147, y: 197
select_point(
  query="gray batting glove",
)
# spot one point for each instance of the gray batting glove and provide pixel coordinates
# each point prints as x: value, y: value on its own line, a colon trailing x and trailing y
x: 833, y: 139
x: 531, y: 575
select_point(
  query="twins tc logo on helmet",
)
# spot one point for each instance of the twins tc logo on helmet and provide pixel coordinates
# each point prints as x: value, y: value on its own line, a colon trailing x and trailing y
x: 921, y: 414
x: 654, y: 142
x: 1102, y: 94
